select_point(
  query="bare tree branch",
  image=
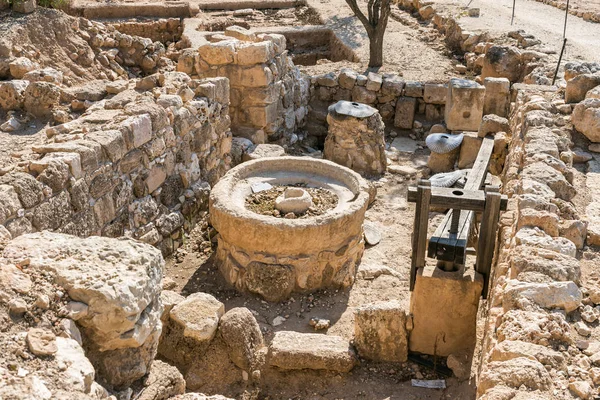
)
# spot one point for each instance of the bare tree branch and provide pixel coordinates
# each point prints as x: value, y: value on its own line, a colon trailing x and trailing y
x: 359, y: 14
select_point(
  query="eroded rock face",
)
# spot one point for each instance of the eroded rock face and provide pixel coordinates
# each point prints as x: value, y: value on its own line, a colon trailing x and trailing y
x: 114, y: 287
x: 514, y: 373
x: 586, y: 118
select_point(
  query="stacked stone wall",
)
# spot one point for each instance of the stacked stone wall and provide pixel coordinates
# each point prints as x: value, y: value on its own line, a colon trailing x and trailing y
x: 142, y: 169
x: 160, y: 30
x: 531, y: 339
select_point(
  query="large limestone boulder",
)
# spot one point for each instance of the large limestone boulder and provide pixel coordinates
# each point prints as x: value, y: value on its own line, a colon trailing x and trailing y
x: 578, y: 87
x: 380, y: 332
x: 113, y: 286
x: 515, y: 373
x: 559, y: 267
x: 241, y: 333
x: 563, y: 295
x: 534, y: 327
x: 542, y: 172
x: 503, y: 62
x: 294, y: 350
x: 586, y: 118
x: 510, y: 349
x: 20, y: 66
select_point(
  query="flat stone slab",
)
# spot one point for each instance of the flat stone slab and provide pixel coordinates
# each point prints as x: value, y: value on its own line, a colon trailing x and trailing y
x: 293, y: 350
x: 404, y: 145
x: 199, y: 316
x: 352, y: 109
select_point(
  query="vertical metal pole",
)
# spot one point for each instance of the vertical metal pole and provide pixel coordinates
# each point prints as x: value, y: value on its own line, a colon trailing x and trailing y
x: 513, y: 12
x: 559, y: 60
x: 566, y: 15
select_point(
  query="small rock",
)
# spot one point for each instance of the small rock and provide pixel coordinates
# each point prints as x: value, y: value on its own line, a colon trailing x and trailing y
x: 594, y: 147
x: 319, y: 323
x: 583, y: 329
x: 402, y: 170
x: 42, y: 302
x: 589, y: 314
x: 17, y: 306
x: 581, y: 389
x: 278, y: 321
x: 41, y: 342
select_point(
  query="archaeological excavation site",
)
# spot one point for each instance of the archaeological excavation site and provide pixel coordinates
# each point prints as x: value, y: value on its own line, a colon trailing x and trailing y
x: 299, y: 199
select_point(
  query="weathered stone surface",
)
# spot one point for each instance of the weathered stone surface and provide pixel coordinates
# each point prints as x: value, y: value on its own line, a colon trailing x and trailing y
x: 586, y: 119
x: 578, y: 87
x: 199, y: 316
x: 435, y: 93
x: 563, y: 295
x: 464, y: 105
x: 41, y: 342
x: 263, y: 151
x: 40, y: 98
x: 534, y: 327
x: 9, y: 202
x: 21, y: 65
x: 380, y: 332
x: 515, y: 373
x: 503, y: 62
x: 444, y: 305
x: 163, y: 382
x: 510, y: 349
x: 11, y: 94
x: 114, y: 286
x: 293, y: 350
x: 491, y: 124
x: 537, y: 238
x: 543, y: 173
x: 557, y: 266
x: 243, y: 337
x: 469, y: 149
x: 357, y: 143
x: 405, y: 112
x: 497, y: 96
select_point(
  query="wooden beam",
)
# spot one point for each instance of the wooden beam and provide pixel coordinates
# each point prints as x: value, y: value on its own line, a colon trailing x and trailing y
x: 476, y: 177
x: 487, y: 235
x: 473, y: 200
x: 419, y: 240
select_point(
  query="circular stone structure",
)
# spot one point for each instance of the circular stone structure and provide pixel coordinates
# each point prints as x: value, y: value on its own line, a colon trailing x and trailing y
x: 274, y: 257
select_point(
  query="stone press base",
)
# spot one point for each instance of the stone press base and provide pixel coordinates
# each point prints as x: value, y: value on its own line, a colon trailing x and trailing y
x: 275, y: 277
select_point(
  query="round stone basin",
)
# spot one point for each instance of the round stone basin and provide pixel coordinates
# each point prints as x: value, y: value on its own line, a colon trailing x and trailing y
x: 274, y: 257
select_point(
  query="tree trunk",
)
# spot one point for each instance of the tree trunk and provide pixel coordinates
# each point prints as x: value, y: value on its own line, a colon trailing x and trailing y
x: 376, y: 47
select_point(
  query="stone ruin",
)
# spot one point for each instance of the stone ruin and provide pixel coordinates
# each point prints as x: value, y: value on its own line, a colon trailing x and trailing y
x: 133, y: 146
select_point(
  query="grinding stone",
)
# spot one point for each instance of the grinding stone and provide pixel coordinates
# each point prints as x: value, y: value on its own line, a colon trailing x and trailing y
x: 352, y: 109
x: 442, y: 143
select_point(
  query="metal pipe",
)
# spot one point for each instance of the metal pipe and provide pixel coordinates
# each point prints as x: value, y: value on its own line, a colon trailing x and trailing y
x: 559, y: 60
x: 513, y: 12
x: 566, y: 15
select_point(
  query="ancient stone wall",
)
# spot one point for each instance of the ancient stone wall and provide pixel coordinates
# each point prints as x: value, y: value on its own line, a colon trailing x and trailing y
x: 532, y: 340
x: 157, y: 30
x: 269, y: 97
x: 136, y: 165
x: 397, y: 100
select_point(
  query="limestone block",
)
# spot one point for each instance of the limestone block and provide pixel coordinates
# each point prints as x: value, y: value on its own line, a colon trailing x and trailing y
x: 469, y: 149
x: 279, y: 41
x: 380, y: 332
x: 256, y: 76
x: 392, y: 86
x: 163, y: 382
x: 544, y: 220
x: 241, y: 333
x: 255, y: 53
x: 464, y: 105
x: 413, y: 89
x: 139, y: 129
x: 257, y: 151
x: 347, y: 78
x: 443, y: 162
x: 114, y: 291
x: 240, y: 33
x: 557, y: 266
x: 219, y: 53
x: 40, y: 98
x: 112, y: 143
x: 563, y: 295
x: 294, y: 351
x: 503, y: 62
x: 405, y: 112
x: 20, y: 66
x: 169, y: 299
x: 575, y: 231
x: 9, y: 202
x: 515, y: 373
x: 497, y: 96
x: 12, y: 94
x: 444, y: 309
x: 374, y: 82
x: 435, y: 93
x: 361, y: 94
x: 46, y: 75
x: 578, y: 87
x: 491, y: 124
x: 537, y: 238
x: 543, y: 173
x: 199, y: 316
x: 156, y: 178
x: 511, y: 349
x: 586, y: 118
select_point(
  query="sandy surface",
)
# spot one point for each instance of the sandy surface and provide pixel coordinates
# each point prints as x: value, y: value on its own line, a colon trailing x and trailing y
x: 545, y: 22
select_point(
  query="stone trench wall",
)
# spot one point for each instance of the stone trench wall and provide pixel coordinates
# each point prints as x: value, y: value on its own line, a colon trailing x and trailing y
x: 534, y: 345
x: 158, y: 30
x: 136, y: 165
